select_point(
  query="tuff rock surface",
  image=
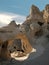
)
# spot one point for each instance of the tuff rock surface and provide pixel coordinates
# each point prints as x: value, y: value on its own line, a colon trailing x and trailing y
x: 20, y: 38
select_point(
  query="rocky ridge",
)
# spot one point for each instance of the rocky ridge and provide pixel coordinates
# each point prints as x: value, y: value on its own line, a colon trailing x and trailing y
x: 34, y: 28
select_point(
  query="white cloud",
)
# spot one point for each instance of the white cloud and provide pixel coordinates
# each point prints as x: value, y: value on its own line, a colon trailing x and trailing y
x: 5, y: 18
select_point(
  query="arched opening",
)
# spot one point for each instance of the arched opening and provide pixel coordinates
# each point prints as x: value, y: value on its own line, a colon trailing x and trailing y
x: 18, y: 45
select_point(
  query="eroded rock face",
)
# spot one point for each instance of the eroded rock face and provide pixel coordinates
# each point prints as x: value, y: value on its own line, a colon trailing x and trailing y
x: 25, y: 43
x: 4, y: 53
x: 34, y: 10
x: 34, y: 21
x: 0, y: 46
x: 47, y: 8
x: 20, y: 44
x: 46, y: 13
x: 17, y: 36
x: 13, y: 23
x: 34, y: 28
x: 15, y: 45
x: 35, y: 14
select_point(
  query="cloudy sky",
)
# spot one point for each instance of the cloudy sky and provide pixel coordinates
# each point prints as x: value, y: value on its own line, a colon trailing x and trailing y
x: 6, y: 18
x: 17, y: 9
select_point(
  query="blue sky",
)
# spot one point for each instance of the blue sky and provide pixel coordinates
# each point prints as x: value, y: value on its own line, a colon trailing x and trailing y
x: 21, y: 6
x: 17, y: 10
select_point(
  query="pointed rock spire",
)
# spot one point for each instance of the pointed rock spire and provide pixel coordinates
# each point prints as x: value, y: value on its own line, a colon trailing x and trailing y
x: 34, y: 9
x: 13, y: 23
x: 46, y: 13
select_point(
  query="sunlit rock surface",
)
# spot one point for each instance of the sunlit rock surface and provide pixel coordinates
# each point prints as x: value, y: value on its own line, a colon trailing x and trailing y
x: 27, y: 41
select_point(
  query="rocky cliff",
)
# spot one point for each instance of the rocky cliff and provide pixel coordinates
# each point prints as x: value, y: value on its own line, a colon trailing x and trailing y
x: 37, y: 23
x: 46, y: 13
x: 23, y: 36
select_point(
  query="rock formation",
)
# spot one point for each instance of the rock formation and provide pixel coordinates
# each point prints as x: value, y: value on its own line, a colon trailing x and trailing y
x: 7, y: 32
x: 20, y: 43
x: 0, y: 46
x: 18, y: 38
x: 12, y: 23
x: 4, y: 53
x: 37, y: 23
x: 46, y: 13
x: 35, y: 14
